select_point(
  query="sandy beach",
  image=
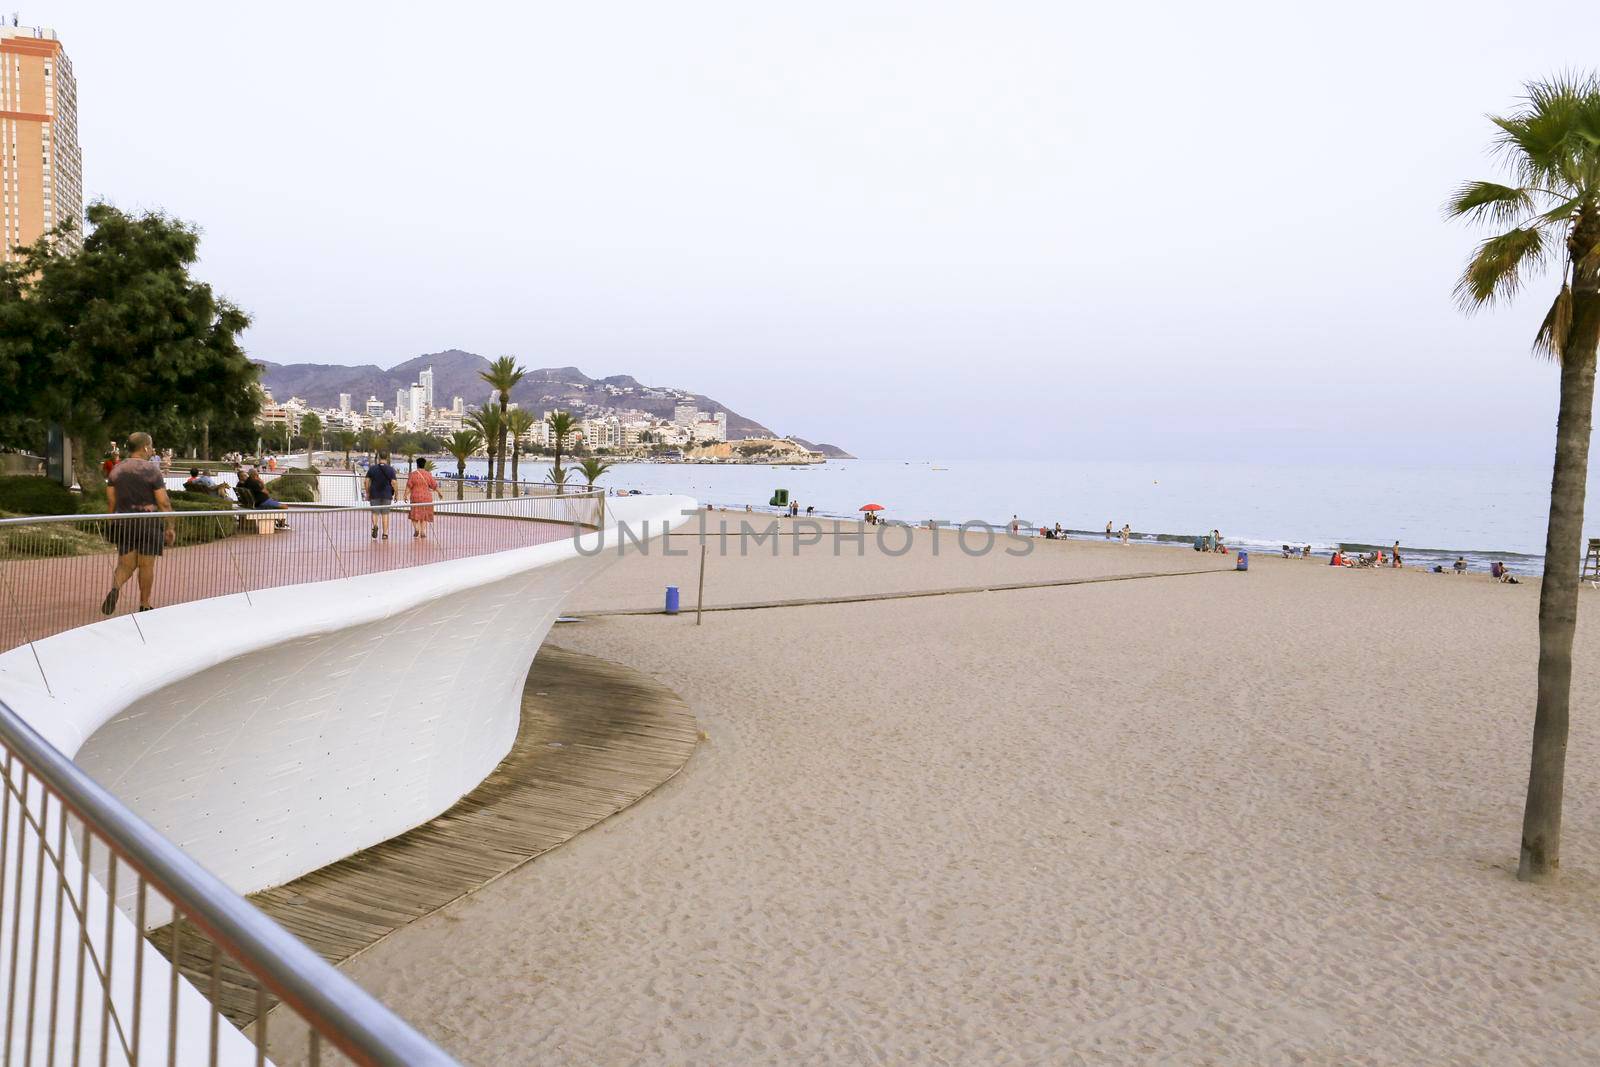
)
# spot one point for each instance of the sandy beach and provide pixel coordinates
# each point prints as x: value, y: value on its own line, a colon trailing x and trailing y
x: 1207, y: 818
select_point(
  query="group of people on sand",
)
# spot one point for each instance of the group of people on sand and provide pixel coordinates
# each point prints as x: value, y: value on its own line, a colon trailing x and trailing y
x: 1125, y: 534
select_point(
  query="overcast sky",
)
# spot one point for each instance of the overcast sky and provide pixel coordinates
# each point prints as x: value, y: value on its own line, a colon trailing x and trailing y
x: 914, y: 229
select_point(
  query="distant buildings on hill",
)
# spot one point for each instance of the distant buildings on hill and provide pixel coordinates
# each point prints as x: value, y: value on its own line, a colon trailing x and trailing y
x: 622, y: 431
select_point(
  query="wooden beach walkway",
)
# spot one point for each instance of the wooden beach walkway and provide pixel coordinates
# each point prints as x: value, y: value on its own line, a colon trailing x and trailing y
x: 595, y: 737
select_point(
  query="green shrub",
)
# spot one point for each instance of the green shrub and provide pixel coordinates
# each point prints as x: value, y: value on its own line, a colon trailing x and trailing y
x: 25, y: 494
x: 47, y: 539
x: 198, y: 531
x: 297, y: 485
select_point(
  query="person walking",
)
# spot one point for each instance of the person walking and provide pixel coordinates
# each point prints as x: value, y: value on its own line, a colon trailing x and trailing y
x: 136, y: 486
x: 1108, y: 529
x: 1396, y: 554
x: 379, y: 492
x: 420, y: 487
x: 1127, y: 532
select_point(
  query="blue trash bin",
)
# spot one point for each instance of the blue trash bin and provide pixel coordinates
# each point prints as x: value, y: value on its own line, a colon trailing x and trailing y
x: 1243, y: 563
x: 672, y: 600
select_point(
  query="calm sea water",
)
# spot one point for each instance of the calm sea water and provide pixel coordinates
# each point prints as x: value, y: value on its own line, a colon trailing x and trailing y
x: 1436, y: 514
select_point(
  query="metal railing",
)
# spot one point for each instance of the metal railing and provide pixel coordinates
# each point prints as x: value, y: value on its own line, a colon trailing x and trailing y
x: 82, y: 983
x: 58, y: 572
x: 480, y: 488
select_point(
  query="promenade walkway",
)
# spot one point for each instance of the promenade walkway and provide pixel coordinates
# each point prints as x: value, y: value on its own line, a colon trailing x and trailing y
x: 44, y: 596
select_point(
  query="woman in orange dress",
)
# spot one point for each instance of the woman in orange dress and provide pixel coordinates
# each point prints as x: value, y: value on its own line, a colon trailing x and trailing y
x: 420, y: 487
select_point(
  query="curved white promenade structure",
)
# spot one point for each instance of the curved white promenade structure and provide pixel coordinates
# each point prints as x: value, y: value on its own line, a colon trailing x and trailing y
x: 271, y: 734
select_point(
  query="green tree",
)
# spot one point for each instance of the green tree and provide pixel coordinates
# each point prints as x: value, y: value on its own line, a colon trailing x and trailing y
x: 462, y: 444
x: 346, y: 440
x: 518, y: 422
x: 503, y: 375
x: 311, y: 430
x: 487, y: 421
x: 557, y: 476
x: 1549, y: 215
x: 116, y: 336
x: 367, y: 441
x: 592, y: 469
x: 562, y: 425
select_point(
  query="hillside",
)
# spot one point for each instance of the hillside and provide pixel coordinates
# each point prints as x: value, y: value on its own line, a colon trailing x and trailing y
x: 455, y: 373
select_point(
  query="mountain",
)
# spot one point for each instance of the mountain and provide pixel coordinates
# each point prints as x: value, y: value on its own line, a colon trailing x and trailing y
x: 455, y: 373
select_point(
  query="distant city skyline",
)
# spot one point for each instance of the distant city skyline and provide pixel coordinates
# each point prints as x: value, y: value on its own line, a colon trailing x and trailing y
x: 1163, y: 232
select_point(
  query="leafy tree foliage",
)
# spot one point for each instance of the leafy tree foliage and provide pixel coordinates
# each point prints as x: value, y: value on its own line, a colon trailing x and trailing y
x: 116, y: 336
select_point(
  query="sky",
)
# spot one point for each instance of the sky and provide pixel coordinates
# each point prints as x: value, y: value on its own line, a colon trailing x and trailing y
x: 916, y: 230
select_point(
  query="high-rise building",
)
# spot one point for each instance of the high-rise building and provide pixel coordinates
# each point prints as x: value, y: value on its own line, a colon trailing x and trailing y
x: 402, y: 398
x: 684, y: 413
x: 374, y: 408
x: 425, y: 379
x: 418, y: 406
x: 458, y: 405
x: 41, y: 170
x: 344, y: 401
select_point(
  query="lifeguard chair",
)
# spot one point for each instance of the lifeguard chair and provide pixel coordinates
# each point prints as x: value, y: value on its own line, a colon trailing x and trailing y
x: 1591, y: 563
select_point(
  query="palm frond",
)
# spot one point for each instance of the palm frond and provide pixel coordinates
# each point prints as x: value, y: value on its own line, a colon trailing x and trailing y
x: 1499, y: 267
x: 1551, y: 340
x: 1550, y: 140
x: 1487, y: 201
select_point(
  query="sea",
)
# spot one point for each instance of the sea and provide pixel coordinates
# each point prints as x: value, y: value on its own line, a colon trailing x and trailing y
x: 1484, y: 513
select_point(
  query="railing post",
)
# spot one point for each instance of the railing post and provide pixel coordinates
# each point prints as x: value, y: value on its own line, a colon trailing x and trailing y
x: 332, y: 547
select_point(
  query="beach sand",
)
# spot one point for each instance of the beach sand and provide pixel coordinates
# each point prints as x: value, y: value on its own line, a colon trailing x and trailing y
x: 1218, y: 818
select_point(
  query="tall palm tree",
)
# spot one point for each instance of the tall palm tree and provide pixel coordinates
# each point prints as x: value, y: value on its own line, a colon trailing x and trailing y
x: 562, y: 425
x: 518, y: 422
x: 503, y: 375
x: 486, y: 420
x: 462, y: 444
x: 557, y: 477
x: 346, y: 440
x: 592, y: 470
x: 1551, y: 215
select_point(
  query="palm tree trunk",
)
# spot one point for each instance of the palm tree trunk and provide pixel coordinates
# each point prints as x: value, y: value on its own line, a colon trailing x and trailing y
x: 514, y: 457
x: 461, y: 477
x: 1558, y: 596
x: 505, y: 403
x: 559, y: 482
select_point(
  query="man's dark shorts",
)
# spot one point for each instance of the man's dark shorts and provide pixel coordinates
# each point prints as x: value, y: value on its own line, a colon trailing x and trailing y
x: 144, y: 536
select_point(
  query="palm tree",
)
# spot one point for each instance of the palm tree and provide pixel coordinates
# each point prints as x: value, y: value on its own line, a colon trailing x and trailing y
x: 346, y: 440
x: 592, y: 470
x: 557, y: 477
x: 462, y: 444
x: 561, y: 425
x: 486, y: 420
x: 1552, y: 216
x: 503, y: 375
x: 367, y: 441
x: 518, y: 422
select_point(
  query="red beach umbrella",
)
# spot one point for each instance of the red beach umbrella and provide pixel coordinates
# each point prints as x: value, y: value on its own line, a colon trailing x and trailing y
x: 870, y: 507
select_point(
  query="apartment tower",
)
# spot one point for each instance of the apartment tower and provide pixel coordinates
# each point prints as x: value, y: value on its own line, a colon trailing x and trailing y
x: 41, y: 170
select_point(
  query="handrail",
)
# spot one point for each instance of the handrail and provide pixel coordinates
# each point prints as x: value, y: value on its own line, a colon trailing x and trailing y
x: 438, y: 504
x: 333, y: 1005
